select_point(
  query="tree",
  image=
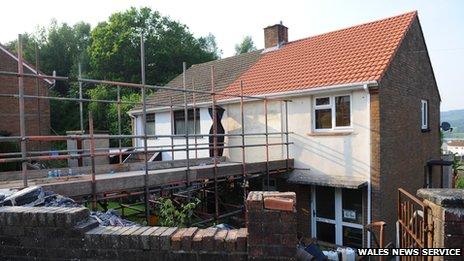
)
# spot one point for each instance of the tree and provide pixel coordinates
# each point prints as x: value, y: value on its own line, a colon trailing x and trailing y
x: 115, y: 48
x: 245, y: 46
x: 60, y: 47
x: 114, y: 54
x: 111, y: 51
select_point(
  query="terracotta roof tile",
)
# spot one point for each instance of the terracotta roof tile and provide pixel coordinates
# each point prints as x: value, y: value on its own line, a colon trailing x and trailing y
x: 355, y: 54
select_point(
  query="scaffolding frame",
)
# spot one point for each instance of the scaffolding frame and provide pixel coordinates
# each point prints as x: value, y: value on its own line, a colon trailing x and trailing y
x: 24, y: 156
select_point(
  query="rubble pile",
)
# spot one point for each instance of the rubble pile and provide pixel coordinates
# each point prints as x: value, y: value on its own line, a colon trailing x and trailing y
x: 36, y: 196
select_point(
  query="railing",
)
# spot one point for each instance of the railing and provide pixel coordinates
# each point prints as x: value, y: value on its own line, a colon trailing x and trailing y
x: 414, y: 228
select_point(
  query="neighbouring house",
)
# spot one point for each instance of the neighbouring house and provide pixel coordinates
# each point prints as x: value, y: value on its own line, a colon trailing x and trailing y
x: 454, y: 147
x: 37, y: 111
x: 364, y: 117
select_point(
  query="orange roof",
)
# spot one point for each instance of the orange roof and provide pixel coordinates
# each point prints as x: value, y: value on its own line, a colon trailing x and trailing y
x: 356, y: 54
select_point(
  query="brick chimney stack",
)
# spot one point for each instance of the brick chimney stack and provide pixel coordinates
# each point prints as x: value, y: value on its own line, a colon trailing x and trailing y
x: 275, y: 35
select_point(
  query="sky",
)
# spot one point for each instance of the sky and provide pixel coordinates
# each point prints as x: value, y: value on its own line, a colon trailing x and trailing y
x: 442, y: 23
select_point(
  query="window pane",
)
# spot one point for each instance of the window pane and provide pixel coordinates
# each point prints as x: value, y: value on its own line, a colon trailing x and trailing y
x: 424, y: 112
x: 325, y: 202
x: 352, y: 206
x: 179, y: 122
x: 352, y: 237
x: 325, y: 232
x: 179, y: 126
x: 324, y: 119
x: 322, y: 101
x: 151, y: 128
x: 342, y: 111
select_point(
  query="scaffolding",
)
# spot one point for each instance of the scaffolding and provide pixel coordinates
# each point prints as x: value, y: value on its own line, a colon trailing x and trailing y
x: 25, y: 156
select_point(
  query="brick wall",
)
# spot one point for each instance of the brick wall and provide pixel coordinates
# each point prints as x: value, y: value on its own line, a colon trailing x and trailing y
x: 69, y: 233
x: 272, y: 227
x: 400, y: 149
x: 9, y: 107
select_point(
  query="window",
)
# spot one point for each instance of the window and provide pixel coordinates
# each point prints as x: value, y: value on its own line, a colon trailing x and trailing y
x: 151, y: 124
x: 179, y: 122
x: 332, y: 112
x: 424, y: 115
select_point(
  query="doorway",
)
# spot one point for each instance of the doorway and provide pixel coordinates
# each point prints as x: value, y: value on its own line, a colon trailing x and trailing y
x: 337, y: 215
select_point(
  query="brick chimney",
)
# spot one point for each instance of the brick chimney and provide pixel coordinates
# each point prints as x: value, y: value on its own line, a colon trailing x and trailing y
x: 275, y: 35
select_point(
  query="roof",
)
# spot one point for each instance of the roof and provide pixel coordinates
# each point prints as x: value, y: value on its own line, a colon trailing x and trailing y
x: 456, y: 143
x: 227, y: 71
x: 306, y: 177
x: 357, y: 54
x: 28, y: 66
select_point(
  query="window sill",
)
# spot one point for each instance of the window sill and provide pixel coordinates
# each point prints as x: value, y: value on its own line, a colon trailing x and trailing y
x: 330, y: 133
x: 425, y: 130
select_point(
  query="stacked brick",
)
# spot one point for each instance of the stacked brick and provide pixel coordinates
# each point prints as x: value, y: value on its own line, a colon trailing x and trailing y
x: 272, y: 225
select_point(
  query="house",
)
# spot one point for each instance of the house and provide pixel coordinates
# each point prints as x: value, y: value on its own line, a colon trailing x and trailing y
x: 454, y: 147
x: 363, y: 117
x: 37, y: 111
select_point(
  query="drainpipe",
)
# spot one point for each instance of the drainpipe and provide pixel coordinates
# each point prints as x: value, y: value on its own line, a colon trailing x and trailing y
x: 369, y: 186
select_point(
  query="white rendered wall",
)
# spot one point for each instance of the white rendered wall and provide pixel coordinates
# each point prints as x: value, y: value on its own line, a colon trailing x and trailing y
x: 163, y: 127
x: 329, y: 155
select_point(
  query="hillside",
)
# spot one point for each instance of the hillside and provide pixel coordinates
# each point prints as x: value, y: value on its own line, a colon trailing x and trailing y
x: 456, y: 119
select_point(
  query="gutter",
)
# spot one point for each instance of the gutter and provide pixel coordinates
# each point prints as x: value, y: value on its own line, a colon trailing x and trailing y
x: 302, y: 92
x: 369, y: 184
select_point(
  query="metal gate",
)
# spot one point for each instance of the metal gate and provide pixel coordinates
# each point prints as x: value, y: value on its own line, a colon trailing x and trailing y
x: 414, y: 230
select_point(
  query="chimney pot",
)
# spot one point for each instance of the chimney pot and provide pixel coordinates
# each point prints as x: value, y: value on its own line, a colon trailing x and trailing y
x: 275, y: 35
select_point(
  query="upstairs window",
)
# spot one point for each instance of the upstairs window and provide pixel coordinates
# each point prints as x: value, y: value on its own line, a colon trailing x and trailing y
x: 179, y: 122
x: 332, y: 112
x: 151, y: 124
x: 424, y: 115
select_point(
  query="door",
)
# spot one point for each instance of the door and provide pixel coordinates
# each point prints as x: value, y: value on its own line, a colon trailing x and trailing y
x: 337, y: 215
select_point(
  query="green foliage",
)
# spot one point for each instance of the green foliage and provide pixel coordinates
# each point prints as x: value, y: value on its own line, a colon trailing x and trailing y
x: 111, y: 51
x: 8, y: 147
x: 115, y: 49
x: 245, y: 46
x: 460, y: 182
x: 126, y: 127
x: 171, y: 216
x: 457, y: 164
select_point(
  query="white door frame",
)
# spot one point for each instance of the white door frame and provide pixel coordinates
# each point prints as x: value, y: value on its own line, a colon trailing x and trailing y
x: 338, y: 221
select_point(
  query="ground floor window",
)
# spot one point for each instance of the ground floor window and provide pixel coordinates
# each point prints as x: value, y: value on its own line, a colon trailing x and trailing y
x: 193, y: 122
x: 337, y: 215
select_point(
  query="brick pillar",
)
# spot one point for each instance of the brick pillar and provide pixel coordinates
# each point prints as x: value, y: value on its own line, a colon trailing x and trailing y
x: 272, y: 225
x: 447, y: 215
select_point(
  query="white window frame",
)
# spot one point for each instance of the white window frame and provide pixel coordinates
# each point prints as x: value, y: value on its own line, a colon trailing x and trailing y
x: 338, y: 221
x: 424, y: 115
x: 153, y: 121
x: 331, y: 106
